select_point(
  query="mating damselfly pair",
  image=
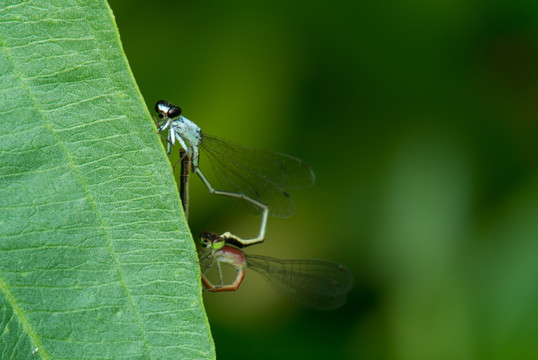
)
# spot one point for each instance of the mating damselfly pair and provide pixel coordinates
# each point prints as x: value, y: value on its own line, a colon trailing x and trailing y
x: 260, y: 179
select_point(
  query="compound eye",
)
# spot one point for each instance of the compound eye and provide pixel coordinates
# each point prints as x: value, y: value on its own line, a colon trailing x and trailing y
x: 218, y: 243
x: 174, y: 111
x: 206, y: 238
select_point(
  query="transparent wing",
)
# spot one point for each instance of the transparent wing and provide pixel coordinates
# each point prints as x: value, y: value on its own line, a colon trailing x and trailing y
x: 205, y: 259
x: 317, y: 284
x: 260, y: 175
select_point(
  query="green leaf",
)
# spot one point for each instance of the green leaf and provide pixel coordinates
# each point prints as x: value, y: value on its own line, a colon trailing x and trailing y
x: 96, y: 260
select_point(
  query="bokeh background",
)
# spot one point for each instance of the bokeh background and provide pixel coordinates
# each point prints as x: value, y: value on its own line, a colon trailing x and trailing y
x: 420, y: 119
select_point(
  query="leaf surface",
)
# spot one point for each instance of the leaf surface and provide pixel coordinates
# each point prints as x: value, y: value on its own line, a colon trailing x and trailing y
x: 96, y: 259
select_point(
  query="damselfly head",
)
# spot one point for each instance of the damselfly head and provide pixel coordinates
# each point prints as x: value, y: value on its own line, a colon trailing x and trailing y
x: 165, y: 109
x: 208, y: 239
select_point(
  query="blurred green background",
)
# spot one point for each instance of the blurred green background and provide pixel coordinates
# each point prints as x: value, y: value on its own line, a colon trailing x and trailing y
x: 420, y: 120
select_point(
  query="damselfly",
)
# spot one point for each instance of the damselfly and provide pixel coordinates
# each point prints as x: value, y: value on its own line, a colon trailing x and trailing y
x: 258, y: 177
x: 317, y: 284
